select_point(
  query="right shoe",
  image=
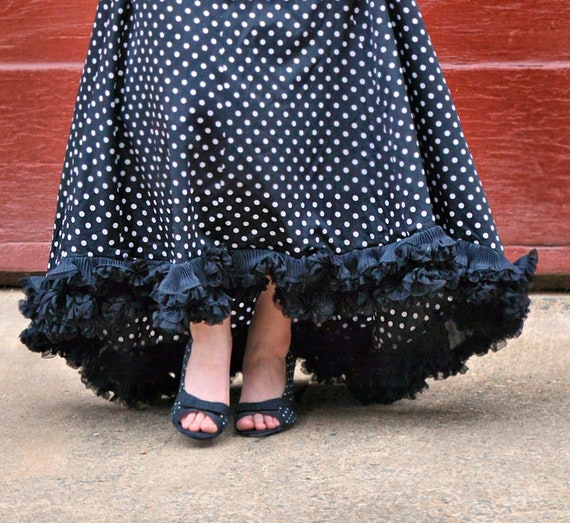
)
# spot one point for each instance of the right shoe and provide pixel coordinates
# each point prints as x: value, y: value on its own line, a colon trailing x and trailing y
x: 186, y: 403
x: 282, y: 408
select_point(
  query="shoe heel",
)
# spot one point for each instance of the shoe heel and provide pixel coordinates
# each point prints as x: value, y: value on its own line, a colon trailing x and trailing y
x: 291, y: 362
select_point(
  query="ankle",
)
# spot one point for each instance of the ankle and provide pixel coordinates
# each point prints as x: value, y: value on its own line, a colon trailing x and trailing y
x: 207, y: 374
x: 264, y: 377
x: 260, y: 361
x: 264, y: 351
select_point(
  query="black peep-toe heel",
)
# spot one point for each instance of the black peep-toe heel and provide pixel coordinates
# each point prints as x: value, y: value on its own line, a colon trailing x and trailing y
x: 282, y: 408
x: 185, y: 403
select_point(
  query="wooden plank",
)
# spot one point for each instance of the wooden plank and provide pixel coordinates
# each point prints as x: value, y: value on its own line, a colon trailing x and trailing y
x: 27, y: 214
x: 520, y: 144
x: 45, y: 32
x: 551, y: 260
x: 470, y: 31
x: 463, y: 31
x: 516, y: 122
x: 24, y: 257
x: 36, y: 109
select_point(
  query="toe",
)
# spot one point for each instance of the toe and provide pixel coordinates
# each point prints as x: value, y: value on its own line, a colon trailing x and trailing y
x: 208, y: 425
x: 271, y: 422
x: 187, y: 421
x: 259, y: 422
x: 198, y: 422
x: 245, y: 423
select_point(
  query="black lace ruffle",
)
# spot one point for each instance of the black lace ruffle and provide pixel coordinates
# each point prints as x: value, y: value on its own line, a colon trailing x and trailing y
x: 125, y: 323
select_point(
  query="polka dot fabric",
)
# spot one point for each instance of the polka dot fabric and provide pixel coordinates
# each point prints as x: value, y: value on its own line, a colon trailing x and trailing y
x: 313, y: 141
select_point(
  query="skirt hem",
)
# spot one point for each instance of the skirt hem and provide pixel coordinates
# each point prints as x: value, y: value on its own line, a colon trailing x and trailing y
x: 125, y: 323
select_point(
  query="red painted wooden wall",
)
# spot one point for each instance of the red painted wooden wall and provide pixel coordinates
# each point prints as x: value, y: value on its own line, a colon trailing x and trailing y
x: 507, y: 62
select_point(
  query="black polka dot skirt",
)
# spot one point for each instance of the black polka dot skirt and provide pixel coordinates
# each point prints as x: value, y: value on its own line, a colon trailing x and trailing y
x: 219, y: 143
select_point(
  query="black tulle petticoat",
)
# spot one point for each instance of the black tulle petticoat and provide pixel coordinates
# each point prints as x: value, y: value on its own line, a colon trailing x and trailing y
x: 214, y: 144
x: 126, y: 323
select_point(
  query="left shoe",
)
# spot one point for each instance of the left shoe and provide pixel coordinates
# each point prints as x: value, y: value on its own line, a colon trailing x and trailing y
x: 186, y: 403
x: 282, y: 408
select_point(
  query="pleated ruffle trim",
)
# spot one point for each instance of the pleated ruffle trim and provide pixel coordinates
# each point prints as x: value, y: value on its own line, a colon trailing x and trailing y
x: 86, y: 309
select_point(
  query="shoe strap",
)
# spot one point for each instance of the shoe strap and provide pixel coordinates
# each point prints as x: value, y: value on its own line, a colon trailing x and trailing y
x: 190, y: 403
x: 263, y: 407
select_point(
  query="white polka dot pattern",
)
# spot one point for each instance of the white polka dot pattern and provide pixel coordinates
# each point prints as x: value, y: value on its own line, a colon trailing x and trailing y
x: 289, y: 126
x: 215, y: 143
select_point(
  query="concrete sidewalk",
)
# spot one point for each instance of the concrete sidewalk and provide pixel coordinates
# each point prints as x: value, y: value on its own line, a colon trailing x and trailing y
x: 490, y: 446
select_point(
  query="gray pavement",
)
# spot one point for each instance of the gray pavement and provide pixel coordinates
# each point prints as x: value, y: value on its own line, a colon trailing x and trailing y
x: 489, y: 446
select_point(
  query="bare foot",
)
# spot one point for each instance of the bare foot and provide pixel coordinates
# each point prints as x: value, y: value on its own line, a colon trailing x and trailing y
x: 264, y: 365
x: 207, y: 374
x: 263, y: 379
